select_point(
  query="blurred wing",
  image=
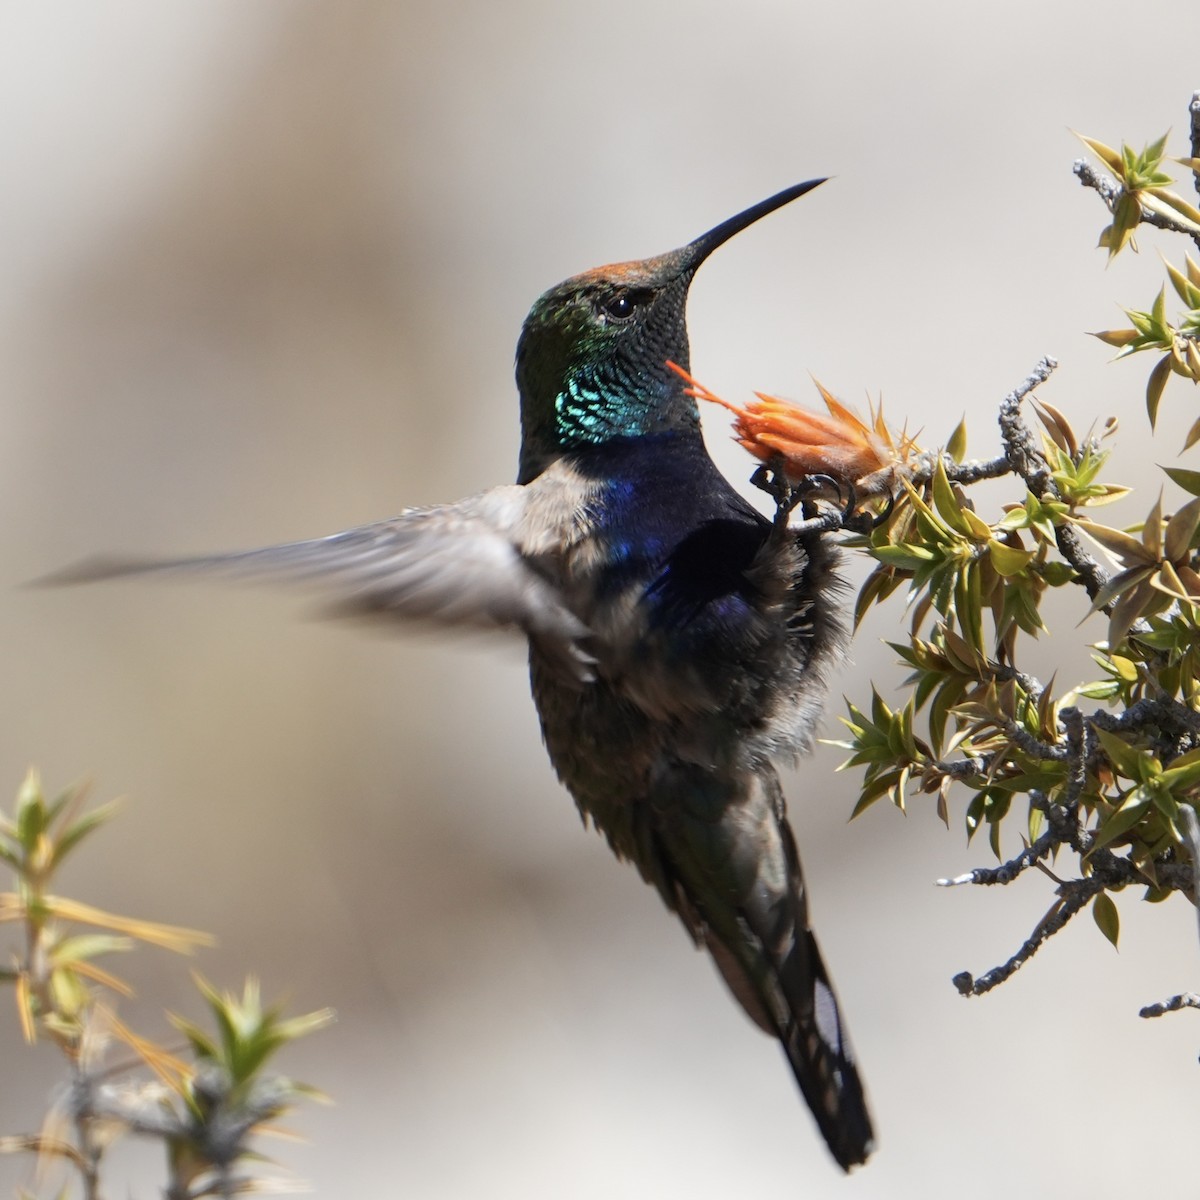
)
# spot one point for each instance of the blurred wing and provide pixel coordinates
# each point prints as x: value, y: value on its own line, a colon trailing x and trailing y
x: 455, y: 564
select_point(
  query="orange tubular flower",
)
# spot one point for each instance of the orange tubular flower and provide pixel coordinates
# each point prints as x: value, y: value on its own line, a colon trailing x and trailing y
x: 841, y: 445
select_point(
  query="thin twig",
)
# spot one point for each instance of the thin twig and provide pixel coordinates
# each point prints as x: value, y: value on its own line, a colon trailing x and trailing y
x: 1007, y: 872
x: 969, y: 472
x: 1019, y: 449
x: 1145, y: 715
x: 1091, y: 574
x: 964, y: 768
x: 1079, y: 893
x: 83, y: 1114
x: 1108, y: 872
x: 1034, y: 747
x: 1183, y: 1000
x: 1023, y: 457
x: 1029, y: 463
x: 1029, y: 684
x: 1064, y: 819
x: 1194, y: 110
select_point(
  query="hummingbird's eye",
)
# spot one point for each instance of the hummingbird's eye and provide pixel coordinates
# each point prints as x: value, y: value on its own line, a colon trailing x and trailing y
x: 619, y: 307
x: 623, y: 304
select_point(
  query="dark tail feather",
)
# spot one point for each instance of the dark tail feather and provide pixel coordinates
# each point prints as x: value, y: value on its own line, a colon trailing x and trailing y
x: 800, y: 1008
x: 727, y: 863
x: 818, y: 1047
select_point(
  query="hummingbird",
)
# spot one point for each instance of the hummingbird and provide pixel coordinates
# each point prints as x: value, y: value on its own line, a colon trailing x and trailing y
x: 679, y: 640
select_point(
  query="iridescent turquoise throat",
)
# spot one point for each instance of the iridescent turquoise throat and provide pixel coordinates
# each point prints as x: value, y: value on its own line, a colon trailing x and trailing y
x: 589, y: 411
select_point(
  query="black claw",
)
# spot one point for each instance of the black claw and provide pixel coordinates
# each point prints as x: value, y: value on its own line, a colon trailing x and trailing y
x: 885, y: 514
x: 850, y: 505
x: 812, y: 483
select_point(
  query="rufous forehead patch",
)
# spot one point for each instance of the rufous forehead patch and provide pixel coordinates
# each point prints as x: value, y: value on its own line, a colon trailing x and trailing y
x: 646, y: 272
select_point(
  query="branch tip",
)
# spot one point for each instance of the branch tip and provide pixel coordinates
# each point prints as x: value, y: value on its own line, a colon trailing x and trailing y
x: 1174, y: 1004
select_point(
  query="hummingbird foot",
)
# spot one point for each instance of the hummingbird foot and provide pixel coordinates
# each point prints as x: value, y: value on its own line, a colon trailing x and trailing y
x: 772, y: 478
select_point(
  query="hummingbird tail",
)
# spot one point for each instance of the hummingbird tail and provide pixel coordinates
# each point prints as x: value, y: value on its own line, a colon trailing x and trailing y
x: 794, y: 1001
x: 732, y: 871
x: 822, y: 1059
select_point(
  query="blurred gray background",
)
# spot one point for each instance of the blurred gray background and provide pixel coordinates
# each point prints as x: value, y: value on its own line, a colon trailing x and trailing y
x: 263, y: 271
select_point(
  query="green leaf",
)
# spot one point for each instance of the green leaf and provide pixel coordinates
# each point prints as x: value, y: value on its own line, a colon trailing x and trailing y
x: 1130, y: 551
x: 1164, y: 802
x: 974, y: 815
x: 1171, y: 205
x: 30, y: 811
x: 1127, y: 215
x: 203, y: 1046
x: 1103, y: 690
x: 1056, y: 574
x: 1181, y: 530
x: 978, y: 528
x: 1155, y: 384
x: 1107, y: 919
x: 1193, y: 436
x: 1188, y: 480
x: 879, y: 585
x: 1110, y: 157
x: 956, y: 447
x: 950, y: 693
x: 1117, y: 337
x: 878, y: 789
x: 1125, y: 758
x: 1135, y: 807
x: 968, y: 604
x: 1124, y: 668
x: 994, y: 836
x: 905, y: 557
x: 1121, y: 584
x: 90, y: 945
x: 1037, y: 819
x: 1183, y: 774
x: 1106, y: 154
x: 948, y: 505
x: 1187, y: 291
x: 78, y: 830
x: 1008, y: 560
x: 1154, y: 152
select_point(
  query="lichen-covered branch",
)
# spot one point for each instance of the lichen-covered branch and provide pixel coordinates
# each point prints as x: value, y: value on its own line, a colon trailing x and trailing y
x: 1019, y: 449
x: 1091, y: 574
x: 1194, y: 113
x: 1174, y: 1004
x: 1008, y: 871
x: 1074, y: 896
